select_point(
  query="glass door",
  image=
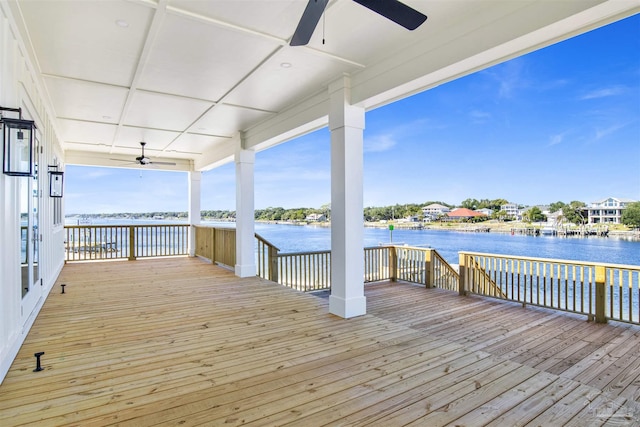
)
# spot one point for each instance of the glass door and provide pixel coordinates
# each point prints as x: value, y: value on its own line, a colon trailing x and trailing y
x: 30, y: 238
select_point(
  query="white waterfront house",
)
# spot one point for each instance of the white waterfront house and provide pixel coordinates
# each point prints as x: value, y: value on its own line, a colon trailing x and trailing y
x: 209, y: 83
x: 315, y: 217
x: 511, y: 210
x: 434, y: 211
x: 607, y: 211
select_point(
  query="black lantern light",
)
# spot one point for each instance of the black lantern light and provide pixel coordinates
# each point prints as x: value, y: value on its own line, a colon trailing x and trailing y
x: 56, y: 178
x: 17, y: 142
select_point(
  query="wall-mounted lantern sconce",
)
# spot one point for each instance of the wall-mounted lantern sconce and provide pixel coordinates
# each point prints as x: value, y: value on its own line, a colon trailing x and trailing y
x: 17, y: 143
x: 56, y: 179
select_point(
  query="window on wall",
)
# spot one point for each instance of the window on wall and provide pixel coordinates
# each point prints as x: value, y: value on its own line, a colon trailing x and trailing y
x: 57, y: 211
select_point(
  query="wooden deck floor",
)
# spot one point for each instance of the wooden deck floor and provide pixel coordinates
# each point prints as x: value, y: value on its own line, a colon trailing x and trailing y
x: 181, y: 342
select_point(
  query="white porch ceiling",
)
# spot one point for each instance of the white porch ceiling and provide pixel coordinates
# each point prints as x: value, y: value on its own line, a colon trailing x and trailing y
x: 192, y: 77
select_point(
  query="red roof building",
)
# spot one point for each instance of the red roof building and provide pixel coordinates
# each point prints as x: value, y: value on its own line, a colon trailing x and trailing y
x: 464, y: 213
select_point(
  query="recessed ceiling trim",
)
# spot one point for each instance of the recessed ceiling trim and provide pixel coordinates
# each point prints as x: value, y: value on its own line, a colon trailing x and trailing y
x: 246, y: 76
x: 329, y: 55
x: 151, y: 128
x: 207, y: 134
x: 74, y: 79
x: 246, y: 107
x: 168, y: 94
x: 198, y: 17
x: 97, y: 122
x: 282, y: 42
x: 152, y: 34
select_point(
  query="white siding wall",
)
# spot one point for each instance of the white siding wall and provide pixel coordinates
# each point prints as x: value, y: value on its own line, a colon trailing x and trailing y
x: 19, y: 87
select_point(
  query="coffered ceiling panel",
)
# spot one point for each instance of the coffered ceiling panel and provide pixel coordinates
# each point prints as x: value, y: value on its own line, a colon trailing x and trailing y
x: 86, y: 132
x: 288, y: 71
x: 161, y: 111
x: 194, y: 144
x: 82, y: 100
x: 130, y: 137
x: 226, y: 119
x: 99, y: 41
x: 277, y: 18
x: 200, y: 60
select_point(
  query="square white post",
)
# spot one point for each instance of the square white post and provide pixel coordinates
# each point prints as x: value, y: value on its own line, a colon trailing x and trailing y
x: 245, y: 215
x: 346, y: 123
x: 195, y: 179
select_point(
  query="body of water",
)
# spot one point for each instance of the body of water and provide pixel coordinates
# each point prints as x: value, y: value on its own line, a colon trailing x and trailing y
x: 296, y: 238
x: 292, y: 238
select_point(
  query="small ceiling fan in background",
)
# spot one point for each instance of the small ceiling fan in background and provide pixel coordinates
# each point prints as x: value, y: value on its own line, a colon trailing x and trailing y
x: 144, y: 160
x: 394, y: 10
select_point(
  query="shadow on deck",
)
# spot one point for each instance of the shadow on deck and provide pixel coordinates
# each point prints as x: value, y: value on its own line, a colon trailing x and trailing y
x: 181, y: 342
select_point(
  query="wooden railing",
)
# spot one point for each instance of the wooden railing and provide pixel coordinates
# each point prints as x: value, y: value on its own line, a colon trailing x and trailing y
x: 100, y: 242
x: 599, y: 291
x: 266, y: 259
x: 377, y: 262
x: 483, y: 281
x: 159, y: 240
x: 217, y: 244
x: 443, y: 274
x: 424, y: 266
x: 311, y: 271
x: 305, y: 271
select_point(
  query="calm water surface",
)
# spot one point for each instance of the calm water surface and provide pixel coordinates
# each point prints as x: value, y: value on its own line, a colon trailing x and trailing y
x: 292, y: 238
x: 296, y: 238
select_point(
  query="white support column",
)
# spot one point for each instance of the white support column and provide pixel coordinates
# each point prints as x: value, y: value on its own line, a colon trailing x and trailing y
x: 195, y: 179
x: 245, y: 216
x: 346, y: 123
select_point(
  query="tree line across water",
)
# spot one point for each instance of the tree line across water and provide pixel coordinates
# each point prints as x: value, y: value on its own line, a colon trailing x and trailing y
x: 573, y: 212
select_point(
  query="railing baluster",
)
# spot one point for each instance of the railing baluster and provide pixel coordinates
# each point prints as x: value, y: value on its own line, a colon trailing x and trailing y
x: 93, y: 242
x: 631, y: 299
x: 612, y: 293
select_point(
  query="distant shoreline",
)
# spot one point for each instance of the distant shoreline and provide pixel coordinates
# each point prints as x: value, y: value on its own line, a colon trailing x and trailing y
x: 487, y: 226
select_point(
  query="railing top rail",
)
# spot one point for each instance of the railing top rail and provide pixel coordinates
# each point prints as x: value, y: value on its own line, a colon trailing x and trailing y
x: 419, y: 248
x: 366, y: 248
x: 437, y: 255
x: 326, y: 251
x: 126, y: 225
x: 266, y: 242
x: 213, y: 226
x: 555, y: 261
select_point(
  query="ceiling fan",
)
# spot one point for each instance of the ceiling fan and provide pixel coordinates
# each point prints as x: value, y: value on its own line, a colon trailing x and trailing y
x: 394, y: 10
x: 144, y: 160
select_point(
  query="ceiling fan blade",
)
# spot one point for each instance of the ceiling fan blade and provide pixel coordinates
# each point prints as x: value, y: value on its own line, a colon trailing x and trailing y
x: 161, y: 163
x: 396, y: 11
x: 310, y: 17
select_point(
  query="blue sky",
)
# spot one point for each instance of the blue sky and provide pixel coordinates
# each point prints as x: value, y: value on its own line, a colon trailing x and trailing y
x: 559, y: 124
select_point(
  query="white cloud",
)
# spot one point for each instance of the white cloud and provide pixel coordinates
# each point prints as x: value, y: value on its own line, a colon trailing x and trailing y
x: 379, y: 143
x: 510, y: 76
x: 557, y: 138
x: 95, y: 173
x: 603, y: 132
x: 604, y: 92
x: 479, y: 117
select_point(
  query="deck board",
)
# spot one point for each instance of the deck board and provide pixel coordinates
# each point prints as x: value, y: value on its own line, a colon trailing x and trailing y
x: 178, y: 341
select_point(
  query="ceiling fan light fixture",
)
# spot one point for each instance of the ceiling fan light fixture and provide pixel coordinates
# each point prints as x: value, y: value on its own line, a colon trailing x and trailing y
x: 143, y: 160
